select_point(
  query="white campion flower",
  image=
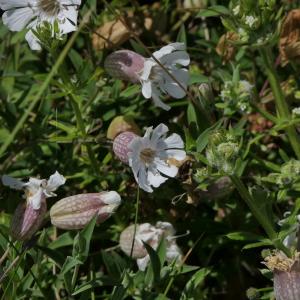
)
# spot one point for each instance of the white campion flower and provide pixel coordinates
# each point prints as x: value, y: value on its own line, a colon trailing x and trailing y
x: 150, y: 156
x: 30, y: 14
x: 151, y: 235
x: 155, y: 81
x: 36, y: 190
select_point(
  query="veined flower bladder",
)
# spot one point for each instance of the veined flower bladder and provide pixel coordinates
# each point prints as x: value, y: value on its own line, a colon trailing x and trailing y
x: 150, y: 156
x: 29, y: 215
x: 30, y: 14
x: 76, y: 211
x: 151, y: 235
x: 155, y: 79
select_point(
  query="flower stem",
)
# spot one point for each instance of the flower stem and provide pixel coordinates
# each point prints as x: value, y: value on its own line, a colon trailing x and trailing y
x: 281, y: 104
x: 135, y: 219
x: 257, y: 213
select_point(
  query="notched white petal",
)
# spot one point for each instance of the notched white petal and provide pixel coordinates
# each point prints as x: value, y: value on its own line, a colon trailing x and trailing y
x: 12, y: 182
x: 55, y: 181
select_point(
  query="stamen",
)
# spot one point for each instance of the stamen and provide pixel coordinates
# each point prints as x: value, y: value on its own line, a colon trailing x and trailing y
x: 147, y: 155
x: 49, y: 7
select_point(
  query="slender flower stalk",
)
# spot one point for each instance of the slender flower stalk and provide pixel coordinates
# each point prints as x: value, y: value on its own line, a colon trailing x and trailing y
x: 260, y: 217
x: 281, y: 104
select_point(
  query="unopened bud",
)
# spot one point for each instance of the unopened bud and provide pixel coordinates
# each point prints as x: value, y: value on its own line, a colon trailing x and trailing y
x: 121, y: 124
x: 125, y: 65
x: 120, y: 145
x: 77, y: 211
x: 26, y: 220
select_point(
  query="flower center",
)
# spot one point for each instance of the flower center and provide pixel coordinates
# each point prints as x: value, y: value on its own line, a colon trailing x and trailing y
x: 147, y: 155
x: 49, y: 7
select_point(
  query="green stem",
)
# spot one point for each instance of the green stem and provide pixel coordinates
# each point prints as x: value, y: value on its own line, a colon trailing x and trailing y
x: 281, y: 104
x: 257, y: 213
x: 135, y: 219
x: 74, y: 277
x: 44, y: 86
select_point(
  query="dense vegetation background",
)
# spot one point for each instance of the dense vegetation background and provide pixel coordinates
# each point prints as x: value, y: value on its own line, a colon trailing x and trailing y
x: 218, y: 222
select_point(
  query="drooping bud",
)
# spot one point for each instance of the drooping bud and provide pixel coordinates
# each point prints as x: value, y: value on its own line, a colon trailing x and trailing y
x: 286, y: 275
x: 125, y: 65
x: 121, y: 124
x: 120, y: 145
x: 76, y: 211
x: 152, y: 236
x: 127, y: 237
x: 27, y: 220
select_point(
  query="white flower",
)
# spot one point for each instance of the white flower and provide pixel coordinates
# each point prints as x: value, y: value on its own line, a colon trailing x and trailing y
x: 150, y: 156
x: 155, y: 80
x: 36, y: 189
x: 152, y: 235
x: 296, y: 112
x: 250, y: 21
x: 30, y: 14
x: 236, y: 10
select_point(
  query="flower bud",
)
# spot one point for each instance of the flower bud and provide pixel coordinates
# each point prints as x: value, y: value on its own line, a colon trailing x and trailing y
x: 120, y: 145
x: 27, y: 220
x: 286, y: 275
x: 125, y: 65
x: 77, y: 211
x: 121, y: 124
x: 126, y: 241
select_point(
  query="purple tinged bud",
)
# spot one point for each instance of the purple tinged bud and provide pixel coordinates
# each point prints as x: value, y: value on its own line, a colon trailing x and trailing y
x: 26, y: 220
x: 120, y: 145
x: 125, y: 65
x: 77, y: 211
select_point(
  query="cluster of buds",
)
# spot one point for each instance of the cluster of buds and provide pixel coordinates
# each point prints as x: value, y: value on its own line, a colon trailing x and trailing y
x: 236, y: 96
x: 152, y: 157
x: 132, y: 244
x: 222, y: 151
x: 286, y: 275
x: 76, y: 211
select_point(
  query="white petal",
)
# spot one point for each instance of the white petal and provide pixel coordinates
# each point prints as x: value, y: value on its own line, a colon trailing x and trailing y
x: 12, y: 182
x: 173, y: 88
x: 32, y: 41
x: 168, y: 49
x: 173, y: 252
x: 55, y: 181
x: 17, y: 19
x: 157, y: 102
x: 176, y: 153
x: 178, y: 57
x: 166, y: 169
x: 147, y: 89
x: 173, y: 141
x: 159, y: 130
x: 155, y: 179
x: 148, y: 64
x: 9, y: 4
x: 36, y: 199
x: 70, y: 2
x: 143, y: 262
x: 69, y: 21
x: 142, y: 180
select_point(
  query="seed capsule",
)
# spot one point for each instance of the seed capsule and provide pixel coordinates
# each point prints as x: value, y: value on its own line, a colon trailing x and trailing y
x: 77, y: 211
